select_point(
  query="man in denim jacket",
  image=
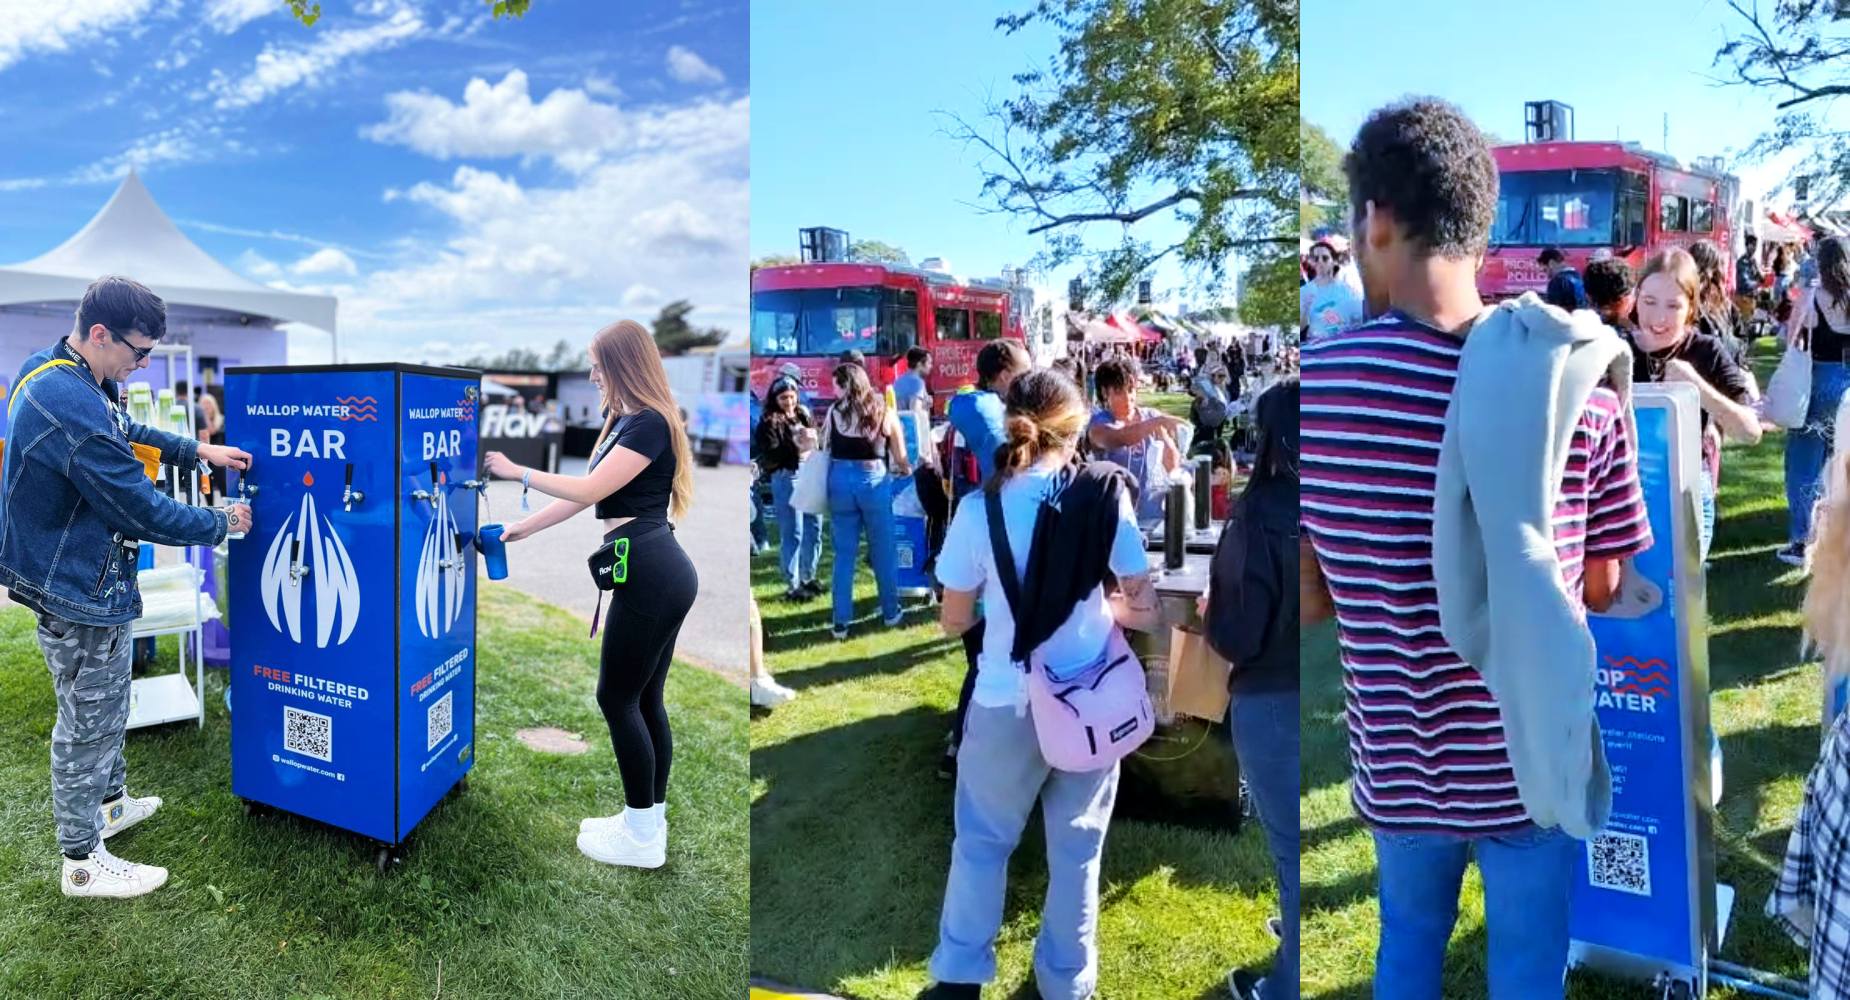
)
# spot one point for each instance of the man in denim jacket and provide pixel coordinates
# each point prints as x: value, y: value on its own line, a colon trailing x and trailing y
x: 75, y: 502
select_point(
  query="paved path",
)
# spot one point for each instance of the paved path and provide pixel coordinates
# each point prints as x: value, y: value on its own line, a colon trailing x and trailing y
x: 715, y: 533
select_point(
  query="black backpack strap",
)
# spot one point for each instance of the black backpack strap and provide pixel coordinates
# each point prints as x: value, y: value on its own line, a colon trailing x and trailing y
x: 1004, y: 557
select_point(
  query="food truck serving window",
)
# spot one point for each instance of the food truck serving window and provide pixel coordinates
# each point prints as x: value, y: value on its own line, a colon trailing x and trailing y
x: 988, y: 326
x: 953, y: 324
x: 1673, y: 214
x: 1555, y: 208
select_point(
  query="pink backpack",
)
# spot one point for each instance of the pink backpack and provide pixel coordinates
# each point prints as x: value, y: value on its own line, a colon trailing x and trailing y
x: 1096, y: 717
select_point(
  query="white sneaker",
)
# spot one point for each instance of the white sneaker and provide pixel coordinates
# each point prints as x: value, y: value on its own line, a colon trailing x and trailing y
x: 104, y: 874
x: 767, y: 693
x: 126, y: 812
x: 615, y: 845
x: 601, y: 822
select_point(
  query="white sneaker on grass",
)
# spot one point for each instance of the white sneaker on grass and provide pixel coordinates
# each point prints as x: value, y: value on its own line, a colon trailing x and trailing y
x: 767, y: 693
x: 614, y: 844
x: 126, y: 812
x: 615, y: 819
x: 104, y: 874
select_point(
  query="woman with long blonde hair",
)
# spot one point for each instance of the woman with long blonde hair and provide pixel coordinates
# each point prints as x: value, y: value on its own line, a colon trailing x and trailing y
x: 640, y: 474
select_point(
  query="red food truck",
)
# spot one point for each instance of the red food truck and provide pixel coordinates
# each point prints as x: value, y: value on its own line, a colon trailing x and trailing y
x: 808, y: 314
x: 1590, y: 196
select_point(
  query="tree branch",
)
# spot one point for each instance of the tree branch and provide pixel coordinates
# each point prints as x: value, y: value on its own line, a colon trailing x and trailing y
x: 1055, y: 221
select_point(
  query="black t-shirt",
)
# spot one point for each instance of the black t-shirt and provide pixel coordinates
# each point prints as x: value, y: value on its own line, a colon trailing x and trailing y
x: 646, y: 433
x: 1711, y: 359
x: 774, y: 444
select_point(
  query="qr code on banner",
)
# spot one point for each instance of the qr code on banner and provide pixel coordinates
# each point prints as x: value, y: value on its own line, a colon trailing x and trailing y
x: 1621, y: 862
x: 437, y: 721
x: 308, y: 733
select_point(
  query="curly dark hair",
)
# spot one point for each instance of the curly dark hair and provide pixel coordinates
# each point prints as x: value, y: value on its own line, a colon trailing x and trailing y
x: 1607, y: 281
x: 1427, y: 162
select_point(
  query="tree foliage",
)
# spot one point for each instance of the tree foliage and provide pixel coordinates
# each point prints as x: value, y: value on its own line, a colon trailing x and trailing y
x: 1799, y: 54
x: 1323, y: 190
x: 877, y: 252
x: 1151, y: 107
x: 563, y: 358
x: 675, y: 335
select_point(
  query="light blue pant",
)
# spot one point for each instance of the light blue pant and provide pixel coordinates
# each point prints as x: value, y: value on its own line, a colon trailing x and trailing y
x: 860, y: 496
x: 1809, y: 446
x: 1000, y: 775
x: 799, y: 536
x: 1527, y: 879
x: 1265, y: 736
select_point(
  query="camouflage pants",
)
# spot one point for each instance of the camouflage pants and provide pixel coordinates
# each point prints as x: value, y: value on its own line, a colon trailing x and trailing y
x: 90, y: 672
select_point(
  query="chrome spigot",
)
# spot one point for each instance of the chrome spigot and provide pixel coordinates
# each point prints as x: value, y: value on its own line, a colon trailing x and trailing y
x: 297, y: 568
x: 348, y: 495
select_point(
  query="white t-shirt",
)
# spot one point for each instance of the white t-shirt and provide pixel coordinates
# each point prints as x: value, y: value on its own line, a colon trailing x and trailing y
x: 1330, y: 308
x: 966, y: 563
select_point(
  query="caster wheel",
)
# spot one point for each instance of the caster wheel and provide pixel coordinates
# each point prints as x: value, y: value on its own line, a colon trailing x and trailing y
x: 462, y: 784
x: 1679, y: 990
x: 383, y: 859
x: 253, y: 808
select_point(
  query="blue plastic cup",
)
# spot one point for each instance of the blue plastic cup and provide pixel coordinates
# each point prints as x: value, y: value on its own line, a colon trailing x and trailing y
x: 494, y: 550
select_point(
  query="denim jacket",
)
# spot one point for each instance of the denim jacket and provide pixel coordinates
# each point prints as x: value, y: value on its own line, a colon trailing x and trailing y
x: 75, y: 499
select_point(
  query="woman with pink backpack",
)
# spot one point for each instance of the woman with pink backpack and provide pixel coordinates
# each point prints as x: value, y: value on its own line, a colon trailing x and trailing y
x: 1059, y: 699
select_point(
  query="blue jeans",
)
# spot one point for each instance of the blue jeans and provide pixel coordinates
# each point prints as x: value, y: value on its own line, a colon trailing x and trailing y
x: 1265, y: 737
x: 1527, y: 879
x: 799, y: 536
x: 860, y: 495
x: 1809, y: 446
x: 1000, y: 775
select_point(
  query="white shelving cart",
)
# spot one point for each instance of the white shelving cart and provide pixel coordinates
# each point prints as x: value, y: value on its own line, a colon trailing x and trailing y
x: 174, y: 697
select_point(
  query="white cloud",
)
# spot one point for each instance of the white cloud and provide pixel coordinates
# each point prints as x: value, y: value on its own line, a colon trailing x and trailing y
x: 569, y: 125
x: 278, y: 69
x: 227, y: 16
x: 687, y: 67
x: 602, y: 86
x: 327, y: 260
x: 530, y: 264
x: 259, y: 267
x: 27, y: 27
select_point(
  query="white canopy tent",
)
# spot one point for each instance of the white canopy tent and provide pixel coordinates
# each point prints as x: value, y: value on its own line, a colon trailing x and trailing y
x: 131, y: 236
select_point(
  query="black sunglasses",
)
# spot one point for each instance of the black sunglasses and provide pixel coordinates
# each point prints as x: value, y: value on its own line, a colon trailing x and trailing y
x: 141, y: 353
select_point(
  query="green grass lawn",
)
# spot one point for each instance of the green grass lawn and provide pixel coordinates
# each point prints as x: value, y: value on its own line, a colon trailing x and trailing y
x: 1765, y: 708
x: 851, y: 832
x: 492, y: 900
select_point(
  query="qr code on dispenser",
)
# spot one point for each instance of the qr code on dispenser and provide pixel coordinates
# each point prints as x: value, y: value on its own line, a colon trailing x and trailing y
x: 437, y: 721
x: 308, y: 733
x: 1621, y: 862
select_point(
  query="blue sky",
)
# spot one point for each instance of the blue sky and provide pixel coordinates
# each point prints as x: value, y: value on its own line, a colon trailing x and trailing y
x: 1621, y: 65
x: 461, y: 183
x: 844, y: 132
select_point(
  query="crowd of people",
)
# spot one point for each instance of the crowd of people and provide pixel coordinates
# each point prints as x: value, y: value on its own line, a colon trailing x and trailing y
x: 1421, y: 410
x: 1071, y: 461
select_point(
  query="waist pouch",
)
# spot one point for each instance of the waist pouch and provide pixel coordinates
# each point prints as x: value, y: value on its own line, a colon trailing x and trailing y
x: 610, y: 561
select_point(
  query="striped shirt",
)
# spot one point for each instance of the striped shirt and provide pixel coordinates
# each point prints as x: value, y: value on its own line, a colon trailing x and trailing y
x: 1424, y: 732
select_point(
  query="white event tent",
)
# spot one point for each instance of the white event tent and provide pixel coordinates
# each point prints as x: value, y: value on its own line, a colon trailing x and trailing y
x: 227, y: 318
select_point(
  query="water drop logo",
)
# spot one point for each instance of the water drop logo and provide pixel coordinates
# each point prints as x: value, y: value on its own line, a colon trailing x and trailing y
x: 439, y: 592
x: 307, y: 541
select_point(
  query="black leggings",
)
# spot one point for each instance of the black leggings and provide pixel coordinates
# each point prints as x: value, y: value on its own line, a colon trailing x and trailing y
x: 639, y: 635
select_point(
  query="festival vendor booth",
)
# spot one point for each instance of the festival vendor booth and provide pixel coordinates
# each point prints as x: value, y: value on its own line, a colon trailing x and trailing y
x: 353, y: 660
x: 1187, y: 772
